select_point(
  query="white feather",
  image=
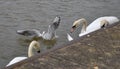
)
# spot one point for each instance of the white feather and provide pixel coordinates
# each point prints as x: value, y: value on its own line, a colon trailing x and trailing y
x: 69, y: 37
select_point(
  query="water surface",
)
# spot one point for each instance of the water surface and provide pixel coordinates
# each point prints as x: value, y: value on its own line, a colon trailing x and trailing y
x: 38, y: 14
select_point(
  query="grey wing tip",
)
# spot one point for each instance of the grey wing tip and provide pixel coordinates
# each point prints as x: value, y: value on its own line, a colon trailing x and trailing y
x: 25, y: 32
x: 57, y: 19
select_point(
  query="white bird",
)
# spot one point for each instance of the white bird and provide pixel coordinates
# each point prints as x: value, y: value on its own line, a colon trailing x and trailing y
x: 50, y: 34
x: 33, y: 44
x: 95, y: 25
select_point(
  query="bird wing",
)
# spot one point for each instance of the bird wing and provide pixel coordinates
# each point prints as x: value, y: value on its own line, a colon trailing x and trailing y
x: 32, y: 32
x: 69, y: 37
x: 55, y: 24
x: 15, y: 60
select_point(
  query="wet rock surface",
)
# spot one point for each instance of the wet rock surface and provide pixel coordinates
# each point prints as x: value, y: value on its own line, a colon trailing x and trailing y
x: 101, y: 48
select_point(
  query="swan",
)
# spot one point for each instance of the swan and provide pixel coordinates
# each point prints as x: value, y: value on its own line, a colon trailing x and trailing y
x: 100, y: 23
x: 95, y: 25
x: 33, y: 44
x: 50, y: 34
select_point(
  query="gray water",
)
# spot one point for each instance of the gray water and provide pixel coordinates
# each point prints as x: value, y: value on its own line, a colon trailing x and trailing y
x: 38, y: 14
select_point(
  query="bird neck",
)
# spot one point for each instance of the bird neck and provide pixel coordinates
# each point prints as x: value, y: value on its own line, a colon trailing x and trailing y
x: 84, y: 25
x: 83, y: 28
x: 30, y: 49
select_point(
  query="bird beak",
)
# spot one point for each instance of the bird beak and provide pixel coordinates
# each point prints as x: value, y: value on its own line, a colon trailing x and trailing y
x: 104, y: 23
x: 38, y: 51
x: 103, y: 26
x: 72, y: 29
